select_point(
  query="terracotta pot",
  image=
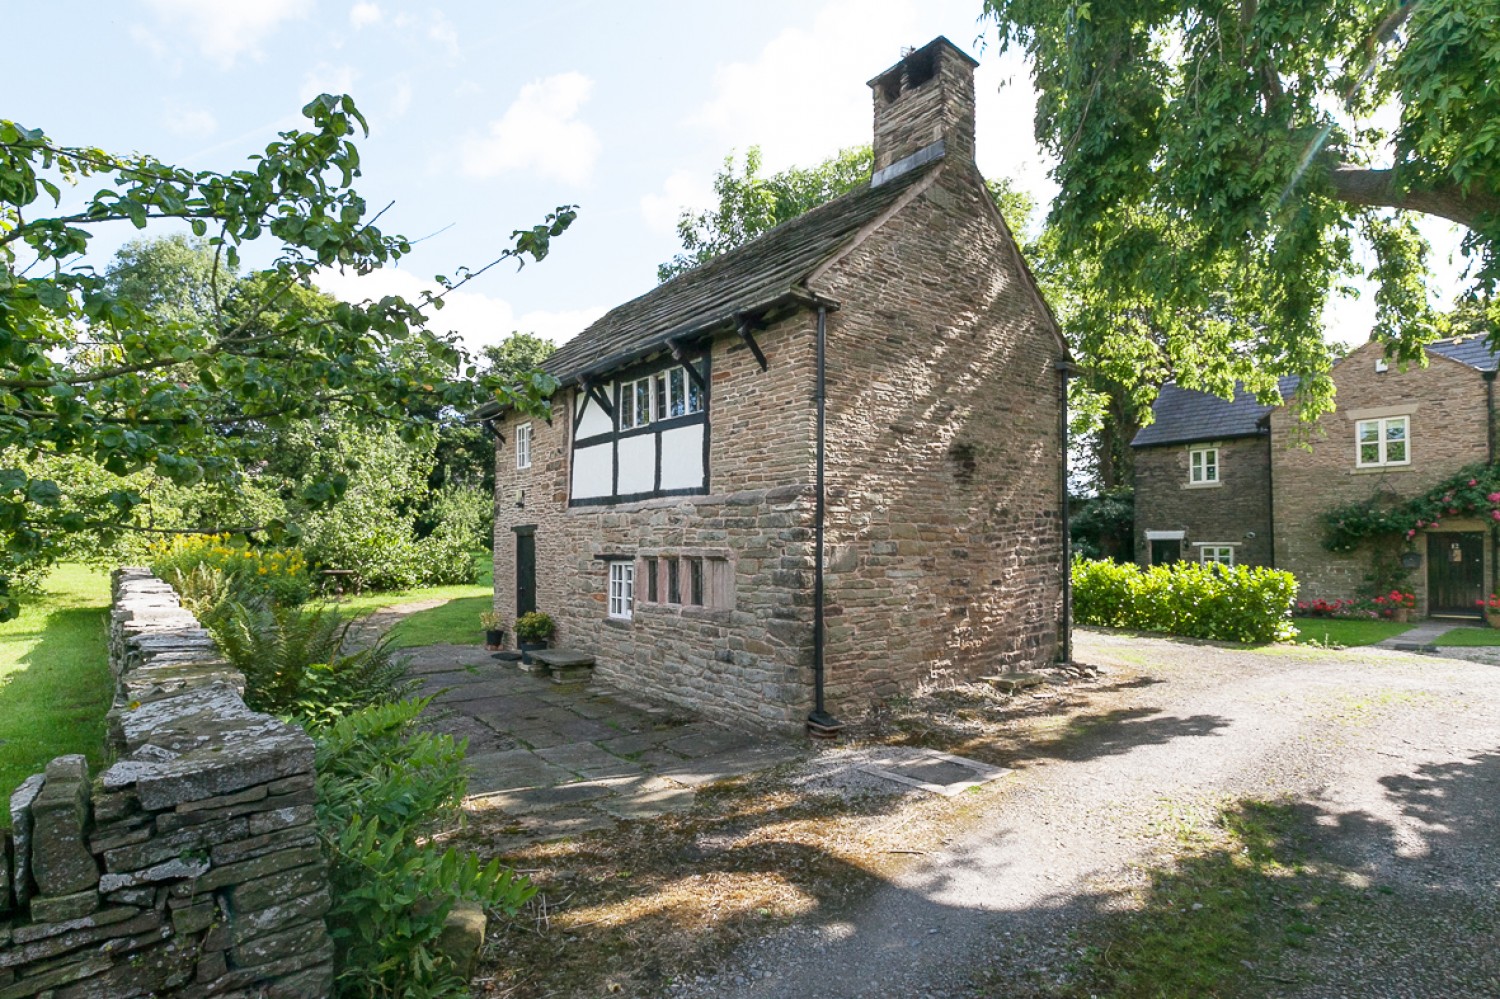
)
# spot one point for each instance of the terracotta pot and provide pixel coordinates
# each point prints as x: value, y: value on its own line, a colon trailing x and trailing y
x: 1492, y: 617
x: 1401, y: 615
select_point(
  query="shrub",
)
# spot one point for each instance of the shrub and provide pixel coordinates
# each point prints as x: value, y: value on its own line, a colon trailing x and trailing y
x: 298, y: 663
x: 1235, y: 604
x: 276, y: 574
x: 385, y: 788
x: 535, y: 626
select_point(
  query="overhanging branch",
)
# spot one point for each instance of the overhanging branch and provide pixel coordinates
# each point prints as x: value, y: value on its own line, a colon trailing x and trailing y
x: 1377, y: 189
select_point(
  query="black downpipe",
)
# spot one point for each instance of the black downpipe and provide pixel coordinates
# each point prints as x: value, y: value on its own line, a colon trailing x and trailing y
x: 820, y: 722
x: 1064, y: 369
x: 1489, y: 399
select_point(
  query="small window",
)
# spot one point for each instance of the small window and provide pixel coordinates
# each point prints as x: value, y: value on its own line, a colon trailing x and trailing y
x: 674, y: 581
x: 1383, y: 442
x: 523, y: 446
x: 1203, y: 466
x: 1216, y: 554
x: 695, y: 581
x: 651, y: 586
x: 657, y: 397
x: 621, y: 590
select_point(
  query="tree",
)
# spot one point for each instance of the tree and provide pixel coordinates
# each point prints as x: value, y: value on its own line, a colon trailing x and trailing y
x: 87, y: 372
x: 1219, y: 165
x: 750, y: 204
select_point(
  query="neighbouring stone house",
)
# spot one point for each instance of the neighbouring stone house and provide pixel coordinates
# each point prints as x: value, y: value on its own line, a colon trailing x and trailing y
x: 827, y: 461
x: 1238, y: 482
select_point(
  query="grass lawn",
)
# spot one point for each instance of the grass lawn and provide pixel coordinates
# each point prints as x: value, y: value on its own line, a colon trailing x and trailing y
x: 55, y: 685
x: 454, y: 623
x: 1347, y: 632
x: 1469, y: 637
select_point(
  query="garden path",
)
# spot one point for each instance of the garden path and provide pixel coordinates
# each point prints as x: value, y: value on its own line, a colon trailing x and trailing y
x: 1384, y: 765
x: 1422, y: 638
x: 560, y: 760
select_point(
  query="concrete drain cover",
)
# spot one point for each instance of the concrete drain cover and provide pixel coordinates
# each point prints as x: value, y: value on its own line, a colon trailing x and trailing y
x: 939, y: 773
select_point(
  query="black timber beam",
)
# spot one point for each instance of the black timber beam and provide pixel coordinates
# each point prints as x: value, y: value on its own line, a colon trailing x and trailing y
x: 746, y: 331
x: 596, y: 393
x: 681, y: 356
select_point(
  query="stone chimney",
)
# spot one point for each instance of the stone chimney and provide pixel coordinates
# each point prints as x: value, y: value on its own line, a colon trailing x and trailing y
x: 925, y: 99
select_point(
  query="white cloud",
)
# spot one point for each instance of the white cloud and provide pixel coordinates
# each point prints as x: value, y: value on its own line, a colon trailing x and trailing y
x: 538, y: 132
x: 364, y: 14
x: 224, y: 30
x: 327, y: 79
x: 191, y: 122
x: 480, y: 320
x: 803, y: 97
x: 401, y: 100
x: 441, y: 30
x: 683, y: 190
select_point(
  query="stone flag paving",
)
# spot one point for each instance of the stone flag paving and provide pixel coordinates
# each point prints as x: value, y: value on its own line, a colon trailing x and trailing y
x: 560, y: 760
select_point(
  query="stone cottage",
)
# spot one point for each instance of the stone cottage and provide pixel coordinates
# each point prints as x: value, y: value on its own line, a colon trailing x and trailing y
x: 818, y: 468
x: 1247, y: 484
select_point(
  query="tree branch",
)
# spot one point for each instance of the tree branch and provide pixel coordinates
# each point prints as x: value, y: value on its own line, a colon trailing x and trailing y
x: 1377, y: 189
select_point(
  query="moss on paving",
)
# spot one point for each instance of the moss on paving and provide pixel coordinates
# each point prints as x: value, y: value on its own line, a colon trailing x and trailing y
x: 55, y: 685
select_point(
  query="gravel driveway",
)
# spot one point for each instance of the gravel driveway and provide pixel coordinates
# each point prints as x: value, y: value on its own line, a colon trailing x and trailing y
x: 1392, y: 761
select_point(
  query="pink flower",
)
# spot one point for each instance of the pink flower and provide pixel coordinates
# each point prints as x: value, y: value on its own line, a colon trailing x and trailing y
x: 1412, y: 533
x: 1495, y: 514
x: 1493, y: 497
x: 1419, y: 523
x: 1473, y: 482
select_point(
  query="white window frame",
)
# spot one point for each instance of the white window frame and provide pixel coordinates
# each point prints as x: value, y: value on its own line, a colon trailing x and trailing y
x: 523, y: 446
x: 1203, y: 466
x: 666, y: 398
x: 1220, y: 554
x: 1382, y: 441
x: 622, y: 590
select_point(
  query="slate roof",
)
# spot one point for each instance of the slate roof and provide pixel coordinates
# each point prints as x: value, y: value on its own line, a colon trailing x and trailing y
x: 765, y: 272
x: 1184, y: 416
x: 1474, y: 351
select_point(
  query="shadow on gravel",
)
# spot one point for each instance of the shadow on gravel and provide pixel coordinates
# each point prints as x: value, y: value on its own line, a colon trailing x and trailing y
x: 1090, y: 736
x: 1290, y: 899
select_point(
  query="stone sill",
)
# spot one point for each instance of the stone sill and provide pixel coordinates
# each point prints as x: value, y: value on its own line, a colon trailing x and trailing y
x: 1382, y: 469
x: 1202, y: 485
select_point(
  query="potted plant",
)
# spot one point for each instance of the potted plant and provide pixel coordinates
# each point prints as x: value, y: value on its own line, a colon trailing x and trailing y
x: 494, y: 630
x: 532, y: 633
x: 1491, y: 608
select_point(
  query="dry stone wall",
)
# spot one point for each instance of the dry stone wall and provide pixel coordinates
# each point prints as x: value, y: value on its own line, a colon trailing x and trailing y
x: 189, y: 867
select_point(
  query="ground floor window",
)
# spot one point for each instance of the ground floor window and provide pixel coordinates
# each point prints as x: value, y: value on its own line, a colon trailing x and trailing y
x: 689, y: 581
x: 621, y: 590
x: 1221, y: 554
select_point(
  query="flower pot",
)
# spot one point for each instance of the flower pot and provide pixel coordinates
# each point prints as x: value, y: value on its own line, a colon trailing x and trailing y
x: 1492, y: 617
x: 1401, y: 615
x: 527, y: 648
x: 494, y: 638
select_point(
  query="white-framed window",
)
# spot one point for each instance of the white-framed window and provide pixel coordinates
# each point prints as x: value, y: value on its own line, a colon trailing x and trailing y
x: 661, y: 396
x: 622, y: 590
x: 1211, y: 554
x: 1203, y: 466
x: 523, y: 446
x: 1386, y: 441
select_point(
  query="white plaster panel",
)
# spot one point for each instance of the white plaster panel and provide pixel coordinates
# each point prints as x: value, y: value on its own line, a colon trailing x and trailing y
x: 682, y: 457
x: 638, y: 464
x: 595, y: 420
x: 593, y: 471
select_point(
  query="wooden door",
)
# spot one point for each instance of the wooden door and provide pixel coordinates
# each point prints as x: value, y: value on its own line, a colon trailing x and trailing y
x: 525, y: 570
x: 1165, y: 552
x: 1455, y: 573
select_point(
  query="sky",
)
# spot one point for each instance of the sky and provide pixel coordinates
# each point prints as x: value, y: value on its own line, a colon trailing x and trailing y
x: 485, y: 116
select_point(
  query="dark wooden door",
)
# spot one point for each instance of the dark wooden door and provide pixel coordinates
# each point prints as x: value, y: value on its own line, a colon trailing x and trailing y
x: 525, y: 570
x: 1455, y: 573
x: 1166, y: 552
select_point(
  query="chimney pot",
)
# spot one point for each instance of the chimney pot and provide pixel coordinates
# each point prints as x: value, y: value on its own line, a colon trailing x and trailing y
x: 926, y: 98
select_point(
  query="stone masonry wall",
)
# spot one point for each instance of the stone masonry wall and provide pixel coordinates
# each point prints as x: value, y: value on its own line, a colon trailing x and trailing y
x: 1448, y: 430
x: 1238, y: 506
x: 749, y: 665
x: 189, y: 867
x: 944, y: 458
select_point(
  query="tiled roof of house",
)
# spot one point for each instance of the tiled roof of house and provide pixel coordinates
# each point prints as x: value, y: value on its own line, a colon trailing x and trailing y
x: 1183, y: 415
x: 1474, y: 351
x: 764, y: 272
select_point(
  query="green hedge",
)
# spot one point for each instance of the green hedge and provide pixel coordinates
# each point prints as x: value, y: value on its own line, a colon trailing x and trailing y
x: 1239, y: 604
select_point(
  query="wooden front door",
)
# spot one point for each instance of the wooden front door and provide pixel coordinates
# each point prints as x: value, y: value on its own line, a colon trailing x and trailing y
x: 1455, y: 573
x: 525, y: 570
x: 1165, y: 552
